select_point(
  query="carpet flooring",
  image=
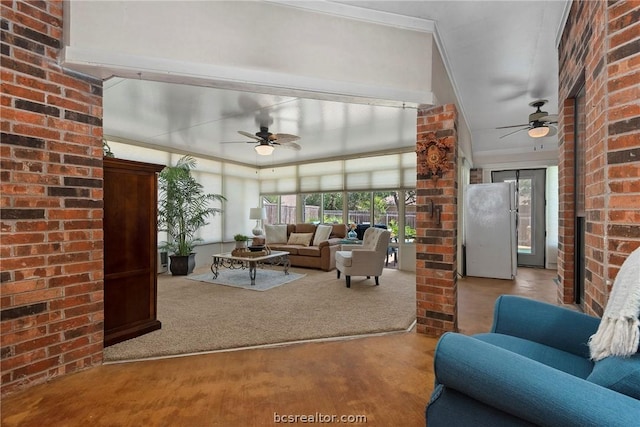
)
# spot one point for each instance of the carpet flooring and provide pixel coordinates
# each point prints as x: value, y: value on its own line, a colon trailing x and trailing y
x: 265, y: 279
x: 199, y: 317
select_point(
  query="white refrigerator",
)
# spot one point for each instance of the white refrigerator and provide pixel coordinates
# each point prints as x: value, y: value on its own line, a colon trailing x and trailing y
x: 490, y: 230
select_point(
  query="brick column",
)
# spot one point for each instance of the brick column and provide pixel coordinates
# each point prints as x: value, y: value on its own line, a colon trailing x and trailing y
x: 475, y: 177
x: 50, y: 203
x: 437, y: 227
x: 598, y: 52
x: 566, y: 211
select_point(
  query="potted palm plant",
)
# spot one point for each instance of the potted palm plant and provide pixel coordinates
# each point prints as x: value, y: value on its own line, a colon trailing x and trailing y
x: 183, y: 207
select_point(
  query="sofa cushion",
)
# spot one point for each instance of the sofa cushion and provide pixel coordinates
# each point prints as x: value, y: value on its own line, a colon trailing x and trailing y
x: 322, y: 233
x: 305, y: 228
x: 621, y: 374
x: 303, y: 239
x: 276, y: 233
x: 343, y: 258
x: 312, y: 251
x: 293, y: 250
x: 338, y: 231
x: 558, y: 359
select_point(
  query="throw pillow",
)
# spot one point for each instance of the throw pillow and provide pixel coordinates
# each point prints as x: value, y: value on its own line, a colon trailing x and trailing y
x: 276, y: 233
x: 303, y: 239
x: 322, y: 233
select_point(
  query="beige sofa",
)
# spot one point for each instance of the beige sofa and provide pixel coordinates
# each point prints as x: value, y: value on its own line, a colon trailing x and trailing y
x: 305, y: 250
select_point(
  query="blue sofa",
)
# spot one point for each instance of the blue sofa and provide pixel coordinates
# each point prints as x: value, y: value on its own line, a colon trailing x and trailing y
x: 533, y: 368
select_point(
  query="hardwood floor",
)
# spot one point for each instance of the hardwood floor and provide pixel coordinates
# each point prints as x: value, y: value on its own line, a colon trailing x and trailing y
x: 387, y: 379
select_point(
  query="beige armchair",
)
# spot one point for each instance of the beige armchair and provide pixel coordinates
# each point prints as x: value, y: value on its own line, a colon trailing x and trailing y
x: 367, y: 259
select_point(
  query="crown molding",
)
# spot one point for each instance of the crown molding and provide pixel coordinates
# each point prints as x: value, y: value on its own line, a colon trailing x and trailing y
x: 361, y: 14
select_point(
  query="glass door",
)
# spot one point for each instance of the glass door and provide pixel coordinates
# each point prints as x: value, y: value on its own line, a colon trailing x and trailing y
x: 530, y: 186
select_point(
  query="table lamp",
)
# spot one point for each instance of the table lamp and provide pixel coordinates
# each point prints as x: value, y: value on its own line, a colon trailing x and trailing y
x: 258, y: 214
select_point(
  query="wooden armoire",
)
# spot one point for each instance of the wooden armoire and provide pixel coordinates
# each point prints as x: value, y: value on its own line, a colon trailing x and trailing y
x: 130, y: 249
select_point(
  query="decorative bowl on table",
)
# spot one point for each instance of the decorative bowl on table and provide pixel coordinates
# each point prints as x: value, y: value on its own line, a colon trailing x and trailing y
x: 256, y: 248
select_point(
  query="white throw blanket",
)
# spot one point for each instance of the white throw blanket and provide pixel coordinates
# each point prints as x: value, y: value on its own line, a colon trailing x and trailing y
x: 618, y: 333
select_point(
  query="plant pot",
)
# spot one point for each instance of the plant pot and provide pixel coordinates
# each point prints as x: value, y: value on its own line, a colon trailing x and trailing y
x: 241, y: 244
x: 181, y: 265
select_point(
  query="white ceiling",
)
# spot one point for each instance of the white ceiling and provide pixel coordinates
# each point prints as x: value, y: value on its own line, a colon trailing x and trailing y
x: 501, y: 56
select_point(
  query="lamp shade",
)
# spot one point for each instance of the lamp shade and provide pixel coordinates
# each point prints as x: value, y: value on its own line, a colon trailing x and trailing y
x: 538, y: 131
x: 257, y: 213
x: 264, y: 149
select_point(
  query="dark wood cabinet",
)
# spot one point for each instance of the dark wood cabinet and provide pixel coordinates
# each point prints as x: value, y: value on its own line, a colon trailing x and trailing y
x: 130, y: 249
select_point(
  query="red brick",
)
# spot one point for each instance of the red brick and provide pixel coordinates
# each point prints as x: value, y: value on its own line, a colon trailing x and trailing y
x: 23, y: 359
x: 36, y: 343
x: 36, y: 367
x: 68, y: 324
x: 628, y: 34
x: 82, y: 353
x: 82, y: 267
x: 68, y: 104
x: 69, y: 280
x: 93, y: 307
x: 21, y: 92
x: 69, y: 345
x: 68, y: 258
x: 624, y: 142
x: 21, y: 286
x: 625, y: 96
x: 625, y: 81
x: 72, y: 148
x: 36, y: 296
x: 70, y: 82
x: 37, y: 131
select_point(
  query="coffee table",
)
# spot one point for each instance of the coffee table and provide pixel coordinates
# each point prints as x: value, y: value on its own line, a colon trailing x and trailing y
x: 227, y: 260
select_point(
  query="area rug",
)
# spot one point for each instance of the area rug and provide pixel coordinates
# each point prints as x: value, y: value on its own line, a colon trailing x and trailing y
x: 265, y: 279
x: 199, y: 316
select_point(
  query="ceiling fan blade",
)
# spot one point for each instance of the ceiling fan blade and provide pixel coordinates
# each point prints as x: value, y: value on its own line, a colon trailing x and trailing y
x: 249, y: 135
x: 513, y: 126
x: 289, y: 145
x: 515, y: 131
x: 284, y: 137
x: 237, y: 142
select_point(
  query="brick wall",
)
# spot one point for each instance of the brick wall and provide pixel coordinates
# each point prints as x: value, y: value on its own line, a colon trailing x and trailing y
x: 600, y: 48
x: 436, y: 232
x: 475, y: 176
x: 50, y: 203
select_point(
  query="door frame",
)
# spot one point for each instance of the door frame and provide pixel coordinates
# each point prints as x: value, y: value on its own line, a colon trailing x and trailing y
x: 537, y: 258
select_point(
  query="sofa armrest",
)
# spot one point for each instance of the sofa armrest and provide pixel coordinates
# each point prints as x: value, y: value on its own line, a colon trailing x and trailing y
x: 333, y: 241
x: 329, y: 242
x: 359, y: 255
x: 527, y: 389
x: 544, y: 323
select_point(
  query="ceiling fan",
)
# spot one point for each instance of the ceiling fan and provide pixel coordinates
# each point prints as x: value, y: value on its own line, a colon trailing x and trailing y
x: 268, y: 141
x: 540, y: 122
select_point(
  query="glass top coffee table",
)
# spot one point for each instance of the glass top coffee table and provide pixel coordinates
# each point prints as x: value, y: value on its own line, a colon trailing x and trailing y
x: 227, y: 260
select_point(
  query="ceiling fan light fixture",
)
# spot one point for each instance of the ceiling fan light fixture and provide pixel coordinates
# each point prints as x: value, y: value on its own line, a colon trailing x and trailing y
x: 538, y: 131
x: 264, y: 149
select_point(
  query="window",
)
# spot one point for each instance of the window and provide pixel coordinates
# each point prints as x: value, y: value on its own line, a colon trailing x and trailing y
x: 359, y: 207
x: 332, y: 208
x: 311, y: 208
x: 280, y: 209
x: 322, y: 207
x: 288, y: 209
x: 409, y: 215
x: 271, y: 205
